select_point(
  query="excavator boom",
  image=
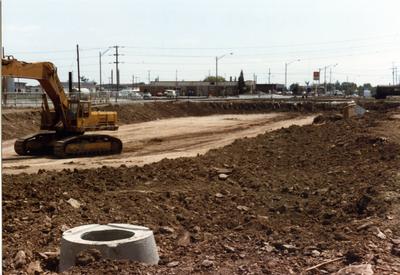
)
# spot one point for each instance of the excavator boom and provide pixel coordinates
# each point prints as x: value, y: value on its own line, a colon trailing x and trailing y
x: 46, y: 74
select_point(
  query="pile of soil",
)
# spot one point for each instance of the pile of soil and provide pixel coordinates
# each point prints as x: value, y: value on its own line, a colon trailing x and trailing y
x: 18, y: 123
x: 287, y: 200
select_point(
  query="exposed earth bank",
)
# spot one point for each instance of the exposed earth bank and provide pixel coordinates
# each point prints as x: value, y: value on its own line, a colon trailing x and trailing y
x: 20, y: 122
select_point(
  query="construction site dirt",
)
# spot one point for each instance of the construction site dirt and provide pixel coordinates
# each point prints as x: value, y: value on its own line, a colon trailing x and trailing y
x: 309, y: 199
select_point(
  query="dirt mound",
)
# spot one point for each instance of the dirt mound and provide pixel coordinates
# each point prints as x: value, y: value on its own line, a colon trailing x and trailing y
x: 287, y: 200
x: 327, y: 118
x: 18, y: 123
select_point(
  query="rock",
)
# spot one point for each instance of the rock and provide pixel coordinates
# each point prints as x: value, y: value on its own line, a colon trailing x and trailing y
x: 166, y: 229
x: 363, y: 269
x: 380, y: 234
x: 207, y: 263
x: 289, y: 247
x: 229, y: 248
x: 196, y: 229
x: 34, y: 268
x: 219, y: 195
x: 180, y: 217
x: 263, y: 221
x: 223, y: 176
x: 339, y: 236
x: 395, y: 250
x: 365, y: 225
x: 396, y: 241
x: 20, y: 259
x: 74, y: 203
x: 184, y: 239
x: 64, y: 228
x: 351, y: 257
x: 224, y: 171
x: 267, y: 247
x: 315, y: 253
x: 242, y: 208
x: 173, y: 264
x: 388, y: 232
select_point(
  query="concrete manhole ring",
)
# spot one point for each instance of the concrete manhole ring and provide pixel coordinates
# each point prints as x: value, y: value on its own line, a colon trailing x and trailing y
x: 114, y: 241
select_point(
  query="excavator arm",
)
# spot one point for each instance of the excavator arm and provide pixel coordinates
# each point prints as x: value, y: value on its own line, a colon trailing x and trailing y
x: 46, y: 74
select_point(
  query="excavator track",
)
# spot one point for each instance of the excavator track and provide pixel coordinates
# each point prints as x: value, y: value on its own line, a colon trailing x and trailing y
x: 87, y: 145
x: 35, y: 144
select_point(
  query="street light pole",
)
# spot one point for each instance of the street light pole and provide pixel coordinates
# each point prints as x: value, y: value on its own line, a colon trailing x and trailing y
x: 216, y: 68
x: 324, y: 68
x: 100, y: 55
x: 286, y: 65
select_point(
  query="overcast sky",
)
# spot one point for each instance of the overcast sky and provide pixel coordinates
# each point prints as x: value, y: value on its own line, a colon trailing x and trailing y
x: 361, y: 36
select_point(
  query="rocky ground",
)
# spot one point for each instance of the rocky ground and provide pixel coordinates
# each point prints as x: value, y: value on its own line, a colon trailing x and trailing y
x: 326, y: 193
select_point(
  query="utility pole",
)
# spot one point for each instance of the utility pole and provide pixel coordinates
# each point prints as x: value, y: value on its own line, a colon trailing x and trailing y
x: 216, y: 69
x: 79, y: 70
x: 116, y: 70
x: 176, y: 80
x: 325, y: 79
x: 269, y: 76
x: 112, y: 79
x: 286, y: 65
x: 148, y: 76
x: 100, y: 71
x: 100, y: 55
x: 133, y: 81
x: 393, y: 75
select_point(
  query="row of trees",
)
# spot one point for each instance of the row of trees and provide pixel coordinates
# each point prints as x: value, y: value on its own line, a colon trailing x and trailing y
x: 241, y: 83
x: 348, y: 88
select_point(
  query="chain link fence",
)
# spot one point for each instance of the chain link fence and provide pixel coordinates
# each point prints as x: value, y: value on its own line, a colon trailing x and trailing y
x: 32, y: 100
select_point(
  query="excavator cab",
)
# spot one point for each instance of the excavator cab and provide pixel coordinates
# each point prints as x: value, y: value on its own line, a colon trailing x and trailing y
x: 78, y: 110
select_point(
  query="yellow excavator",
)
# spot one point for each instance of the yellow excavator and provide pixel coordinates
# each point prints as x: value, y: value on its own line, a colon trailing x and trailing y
x: 62, y: 128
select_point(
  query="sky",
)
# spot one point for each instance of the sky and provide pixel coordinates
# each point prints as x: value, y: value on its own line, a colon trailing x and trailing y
x: 355, y: 40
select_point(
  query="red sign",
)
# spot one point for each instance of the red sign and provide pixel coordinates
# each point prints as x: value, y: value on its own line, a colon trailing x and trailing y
x: 316, y: 75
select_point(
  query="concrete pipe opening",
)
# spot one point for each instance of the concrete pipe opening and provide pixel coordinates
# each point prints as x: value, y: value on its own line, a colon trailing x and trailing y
x: 114, y: 241
x: 107, y: 235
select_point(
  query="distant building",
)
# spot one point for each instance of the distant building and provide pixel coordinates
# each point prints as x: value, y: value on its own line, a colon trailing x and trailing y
x: 34, y: 89
x: 266, y: 88
x: 196, y: 88
x: 20, y: 87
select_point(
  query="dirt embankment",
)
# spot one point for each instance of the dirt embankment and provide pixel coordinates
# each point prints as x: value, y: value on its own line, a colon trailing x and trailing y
x: 18, y: 123
x: 293, y: 198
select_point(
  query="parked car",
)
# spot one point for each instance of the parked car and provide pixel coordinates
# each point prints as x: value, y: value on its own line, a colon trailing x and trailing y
x: 129, y: 94
x: 170, y: 93
x: 136, y: 95
x: 147, y: 95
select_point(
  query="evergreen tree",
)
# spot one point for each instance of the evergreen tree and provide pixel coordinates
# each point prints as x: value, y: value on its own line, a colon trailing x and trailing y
x: 241, y: 84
